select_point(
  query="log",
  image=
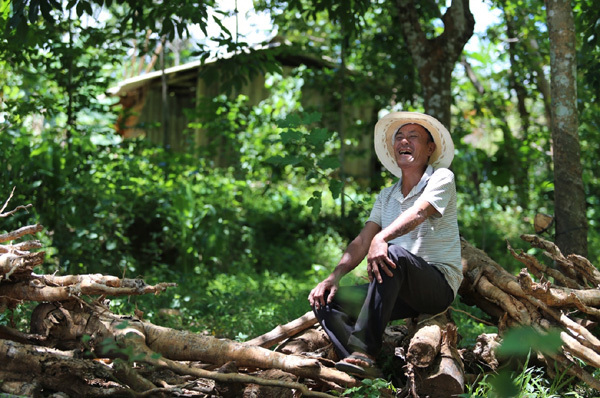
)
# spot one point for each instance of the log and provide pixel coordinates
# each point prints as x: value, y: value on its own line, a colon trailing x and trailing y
x: 426, y: 342
x: 586, y: 269
x: 446, y: 376
x: 147, y: 340
x: 283, y: 332
x: 314, y: 341
x: 17, y: 265
x: 433, y: 364
x: 485, y: 349
x: 539, y: 269
x: 36, y: 290
x: 57, y: 370
x: 542, y: 305
x: 433, y: 368
x: 21, y: 232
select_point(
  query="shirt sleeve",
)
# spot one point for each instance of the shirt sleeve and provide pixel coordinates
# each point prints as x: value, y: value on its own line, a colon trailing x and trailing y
x: 439, y: 190
x: 375, y: 215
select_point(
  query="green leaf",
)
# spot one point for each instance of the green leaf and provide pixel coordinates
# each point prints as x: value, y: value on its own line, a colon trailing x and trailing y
x: 88, y: 8
x: 290, y: 136
x: 520, y: 341
x: 275, y: 160
x: 318, y: 137
x: 79, y: 9
x: 292, y: 120
x: 329, y: 162
x: 34, y: 7
x: 503, y: 385
x: 315, y: 203
x: 291, y: 160
x: 122, y: 325
x: 335, y: 186
x: 284, y: 161
x: 310, y: 118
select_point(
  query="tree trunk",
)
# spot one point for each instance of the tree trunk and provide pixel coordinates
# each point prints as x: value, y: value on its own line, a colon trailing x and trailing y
x: 435, y: 58
x: 569, y: 193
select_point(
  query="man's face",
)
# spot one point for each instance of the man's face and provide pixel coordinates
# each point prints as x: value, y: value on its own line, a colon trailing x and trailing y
x: 413, y: 146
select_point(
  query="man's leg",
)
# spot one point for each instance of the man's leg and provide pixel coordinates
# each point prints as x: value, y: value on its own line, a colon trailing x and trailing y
x: 415, y: 287
x: 339, y: 317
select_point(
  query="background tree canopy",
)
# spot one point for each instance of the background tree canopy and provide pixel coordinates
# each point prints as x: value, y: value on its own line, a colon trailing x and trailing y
x: 248, y: 238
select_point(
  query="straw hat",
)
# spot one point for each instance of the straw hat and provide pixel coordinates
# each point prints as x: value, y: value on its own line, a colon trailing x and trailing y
x: 387, y: 126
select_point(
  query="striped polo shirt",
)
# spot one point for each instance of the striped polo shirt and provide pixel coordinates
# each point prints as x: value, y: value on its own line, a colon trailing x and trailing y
x: 436, y: 240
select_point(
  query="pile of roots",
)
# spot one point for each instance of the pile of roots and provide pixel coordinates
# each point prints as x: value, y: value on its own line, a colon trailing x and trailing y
x: 77, y: 347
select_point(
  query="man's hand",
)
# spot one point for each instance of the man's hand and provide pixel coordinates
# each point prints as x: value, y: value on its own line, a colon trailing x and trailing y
x: 316, y: 297
x: 378, y: 260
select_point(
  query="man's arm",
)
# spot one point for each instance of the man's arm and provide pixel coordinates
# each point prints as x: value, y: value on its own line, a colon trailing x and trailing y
x: 354, y: 254
x: 377, y: 258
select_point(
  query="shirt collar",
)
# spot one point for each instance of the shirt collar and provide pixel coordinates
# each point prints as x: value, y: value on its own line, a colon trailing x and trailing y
x: 416, y: 189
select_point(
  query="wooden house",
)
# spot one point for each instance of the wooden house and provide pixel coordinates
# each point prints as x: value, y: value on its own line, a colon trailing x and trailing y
x: 154, y: 104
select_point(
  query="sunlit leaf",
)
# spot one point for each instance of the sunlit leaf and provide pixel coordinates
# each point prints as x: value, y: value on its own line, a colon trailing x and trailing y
x: 520, y: 341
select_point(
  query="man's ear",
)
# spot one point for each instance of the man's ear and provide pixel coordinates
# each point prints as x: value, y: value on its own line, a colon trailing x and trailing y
x: 431, y: 146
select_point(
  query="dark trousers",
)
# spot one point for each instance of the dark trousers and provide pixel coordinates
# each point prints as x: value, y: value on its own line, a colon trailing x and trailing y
x: 357, y: 316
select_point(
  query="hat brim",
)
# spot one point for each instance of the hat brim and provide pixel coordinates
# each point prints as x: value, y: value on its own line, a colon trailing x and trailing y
x: 387, y: 126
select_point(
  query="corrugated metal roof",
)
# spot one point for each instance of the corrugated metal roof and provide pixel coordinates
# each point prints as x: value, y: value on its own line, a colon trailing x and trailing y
x: 134, y: 82
x: 293, y: 58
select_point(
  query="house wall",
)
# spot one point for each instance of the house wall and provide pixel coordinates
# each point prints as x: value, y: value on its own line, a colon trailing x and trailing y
x: 152, y: 115
x: 357, y: 129
x: 186, y: 90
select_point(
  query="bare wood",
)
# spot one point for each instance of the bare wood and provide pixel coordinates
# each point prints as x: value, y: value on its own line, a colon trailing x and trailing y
x: 56, y: 370
x: 579, y: 350
x: 176, y: 345
x: 537, y: 268
x: 96, y: 279
x: 8, y: 333
x: 509, y: 303
x: 540, y: 300
x: 128, y: 376
x: 446, y: 377
x: 583, y: 335
x: 425, y: 344
x: 540, y: 243
x: 559, y: 297
x: 313, y: 340
x: 283, y: 332
x: 552, y: 251
x: 7, y: 200
x: 14, y: 264
x: 577, y: 371
x: 196, y: 347
x: 10, y: 213
x: 36, y: 291
x: 133, y: 337
x: 21, y: 247
x: 583, y: 265
x: 485, y: 349
x: 19, y: 233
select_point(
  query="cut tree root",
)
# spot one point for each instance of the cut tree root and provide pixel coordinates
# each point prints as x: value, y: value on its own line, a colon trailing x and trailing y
x: 75, y: 347
x: 148, y: 340
x: 548, y: 304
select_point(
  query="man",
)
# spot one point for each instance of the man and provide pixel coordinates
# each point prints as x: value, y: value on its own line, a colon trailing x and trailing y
x: 411, y: 242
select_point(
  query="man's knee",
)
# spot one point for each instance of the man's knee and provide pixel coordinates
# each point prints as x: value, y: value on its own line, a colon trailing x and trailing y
x: 398, y: 254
